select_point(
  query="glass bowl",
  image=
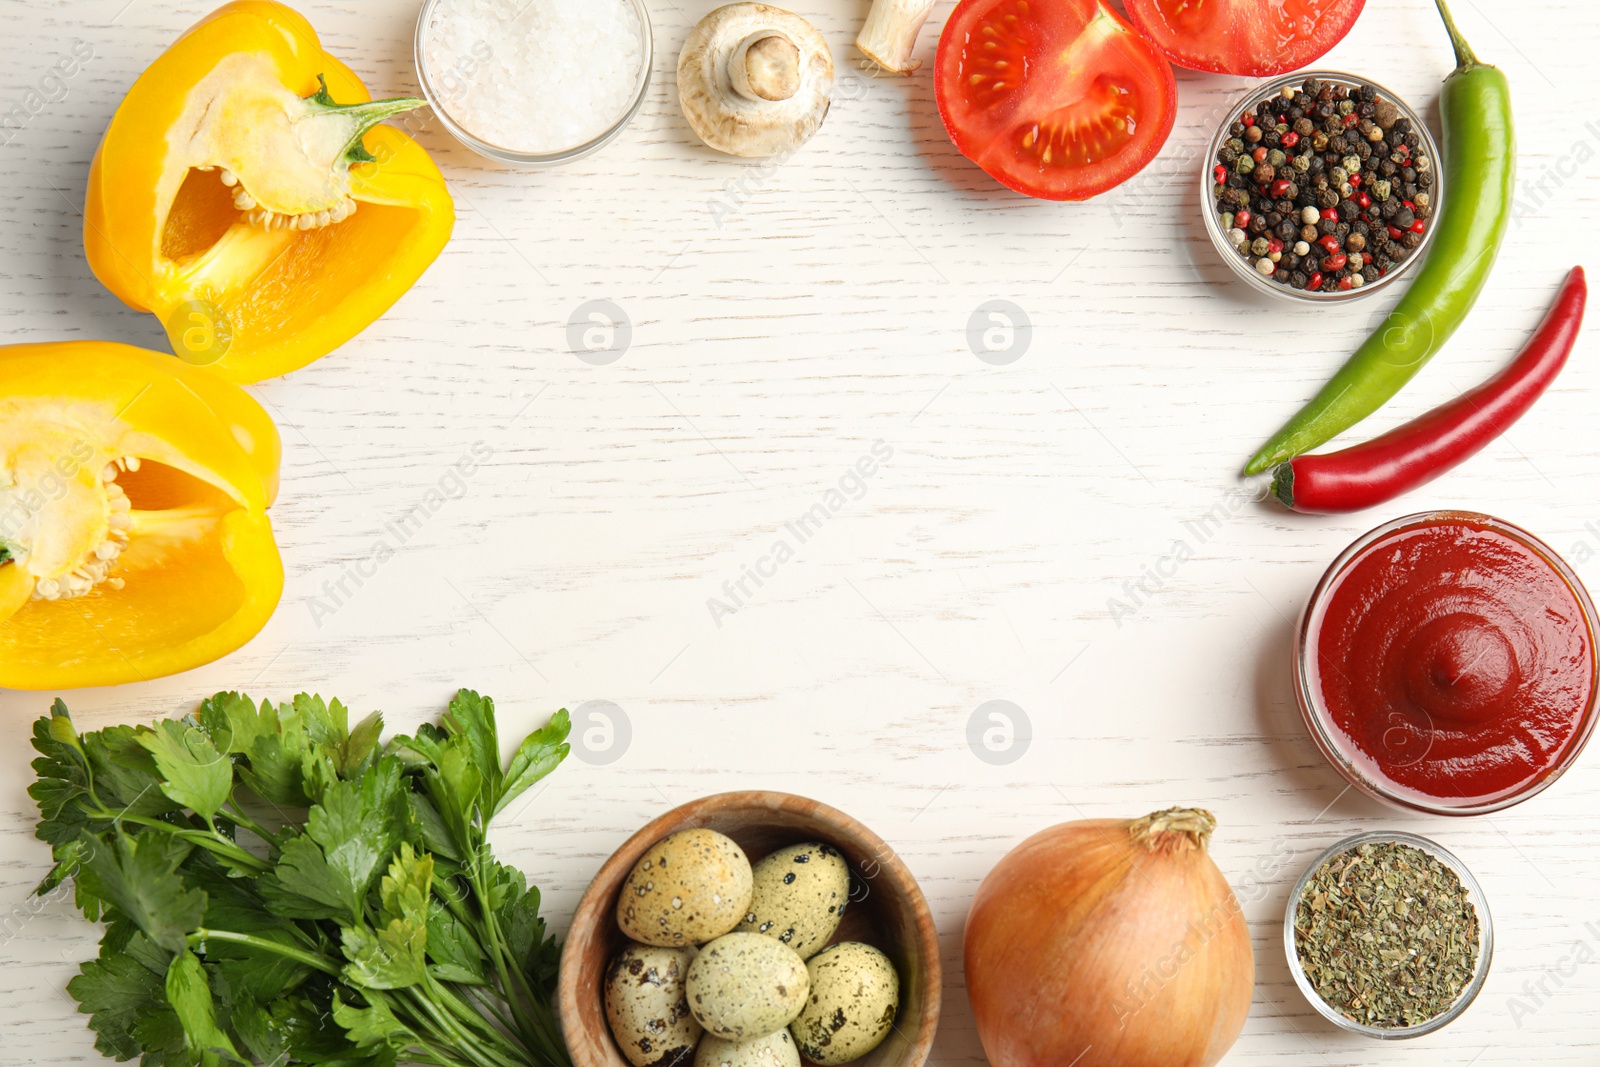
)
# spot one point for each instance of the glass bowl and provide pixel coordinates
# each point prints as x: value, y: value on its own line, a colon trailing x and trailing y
x: 1480, y: 903
x: 1331, y: 742
x: 1242, y: 267
x: 438, y: 100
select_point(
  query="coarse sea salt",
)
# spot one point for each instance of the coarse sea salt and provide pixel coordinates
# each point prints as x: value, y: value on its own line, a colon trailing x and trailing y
x: 534, y: 76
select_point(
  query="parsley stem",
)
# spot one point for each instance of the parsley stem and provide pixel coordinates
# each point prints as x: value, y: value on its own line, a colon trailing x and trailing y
x: 209, y: 840
x: 548, y: 1038
x: 464, y: 1042
x: 496, y: 946
x: 462, y: 1010
x: 239, y: 818
x: 430, y: 1055
x: 487, y: 1006
x: 288, y: 952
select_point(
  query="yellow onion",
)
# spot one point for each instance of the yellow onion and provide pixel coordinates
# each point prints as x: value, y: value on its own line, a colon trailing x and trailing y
x: 1110, y: 943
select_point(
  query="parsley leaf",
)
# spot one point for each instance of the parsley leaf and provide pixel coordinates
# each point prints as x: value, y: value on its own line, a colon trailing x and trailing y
x: 327, y: 871
x: 517, y: 906
x: 541, y: 753
x: 279, y: 746
x: 348, y: 934
x: 138, y: 877
x: 389, y: 958
x: 453, y: 949
x: 127, y: 780
x: 117, y: 990
x: 232, y: 722
x: 359, y: 825
x: 405, y: 889
x: 305, y: 886
x: 195, y: 774
x: 190, y: 996
x: 372, y: 1025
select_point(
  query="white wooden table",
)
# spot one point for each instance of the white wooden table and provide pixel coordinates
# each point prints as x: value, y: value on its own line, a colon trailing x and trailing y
x: 783, y: 321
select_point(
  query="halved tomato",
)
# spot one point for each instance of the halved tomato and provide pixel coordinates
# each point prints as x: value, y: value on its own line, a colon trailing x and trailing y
x: 1058, y: 99
x: 1256, y: 38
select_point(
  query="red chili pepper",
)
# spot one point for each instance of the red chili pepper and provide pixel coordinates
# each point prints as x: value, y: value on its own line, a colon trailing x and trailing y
x: 1412, y: 455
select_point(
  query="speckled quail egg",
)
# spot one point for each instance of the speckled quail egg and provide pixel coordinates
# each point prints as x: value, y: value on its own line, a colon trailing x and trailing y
x: 855, y: 994
x: 746, y: 985
x: 800, y: 895
x: 771, y: 1050
x: 689, y: 888
x: 648, y: 1007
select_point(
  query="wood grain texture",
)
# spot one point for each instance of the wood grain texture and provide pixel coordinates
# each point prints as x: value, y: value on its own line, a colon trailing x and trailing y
x: 772, y: 345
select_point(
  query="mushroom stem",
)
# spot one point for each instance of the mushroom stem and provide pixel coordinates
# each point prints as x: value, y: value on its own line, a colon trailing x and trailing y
x: 765, y: 66
x: 754, y: 80
x: 889, y: 35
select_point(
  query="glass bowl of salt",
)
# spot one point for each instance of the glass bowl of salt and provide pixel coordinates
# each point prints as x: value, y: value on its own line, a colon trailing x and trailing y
x: 534, y: 83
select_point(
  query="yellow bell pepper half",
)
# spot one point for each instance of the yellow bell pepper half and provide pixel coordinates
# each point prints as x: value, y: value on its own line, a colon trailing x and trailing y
x: 263, y: 223
x: 133, y: 516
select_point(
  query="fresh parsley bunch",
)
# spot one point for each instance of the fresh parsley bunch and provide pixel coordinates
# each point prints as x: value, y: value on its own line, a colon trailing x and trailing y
x: 278, y: 887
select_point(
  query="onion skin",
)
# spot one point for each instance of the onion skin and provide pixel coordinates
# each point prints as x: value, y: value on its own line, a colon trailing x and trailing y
x: 1109, y: 943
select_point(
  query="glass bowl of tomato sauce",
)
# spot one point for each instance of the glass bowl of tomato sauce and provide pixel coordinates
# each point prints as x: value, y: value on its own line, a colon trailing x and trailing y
x: 1243, y: 267
x: 1446, y: 663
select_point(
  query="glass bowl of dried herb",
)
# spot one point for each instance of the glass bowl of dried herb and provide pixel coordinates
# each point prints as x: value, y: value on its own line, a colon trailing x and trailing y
x: 1388, y: 935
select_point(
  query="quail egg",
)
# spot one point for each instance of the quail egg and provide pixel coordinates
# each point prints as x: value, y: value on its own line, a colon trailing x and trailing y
x: 772, y: 1050
x: 746, y: 985
x: 648, y: 1008
x: 855, y: 994
x: 689, y: 888
x: 800, y: 895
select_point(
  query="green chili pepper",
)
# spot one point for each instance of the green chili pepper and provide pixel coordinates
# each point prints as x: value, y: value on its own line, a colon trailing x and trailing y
x: 1480, y: 172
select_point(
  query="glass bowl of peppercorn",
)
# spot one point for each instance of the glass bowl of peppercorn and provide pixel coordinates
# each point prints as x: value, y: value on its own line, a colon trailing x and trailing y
x: 1388, y: 935
x: 1321, y: 187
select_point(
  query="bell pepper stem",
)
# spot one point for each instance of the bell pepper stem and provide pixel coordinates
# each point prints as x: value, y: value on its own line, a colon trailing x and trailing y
x: 366, y: 116
x: 1464, y: 54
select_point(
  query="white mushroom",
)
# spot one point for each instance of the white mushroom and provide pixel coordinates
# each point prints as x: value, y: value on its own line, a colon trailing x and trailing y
x: 755, y: 80
x: 890, y: 33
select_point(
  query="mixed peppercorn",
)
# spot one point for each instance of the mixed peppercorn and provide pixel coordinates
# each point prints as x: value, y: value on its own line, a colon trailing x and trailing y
x: 1324, y: 188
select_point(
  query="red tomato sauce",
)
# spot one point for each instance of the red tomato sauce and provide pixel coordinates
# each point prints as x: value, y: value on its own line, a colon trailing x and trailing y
x: 1455, y: 661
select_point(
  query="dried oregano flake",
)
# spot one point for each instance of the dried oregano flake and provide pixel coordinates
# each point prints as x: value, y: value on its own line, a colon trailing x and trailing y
x: 1387, y: 935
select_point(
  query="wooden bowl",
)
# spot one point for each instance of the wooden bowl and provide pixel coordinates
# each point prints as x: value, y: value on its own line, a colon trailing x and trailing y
x: 887, y: 911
